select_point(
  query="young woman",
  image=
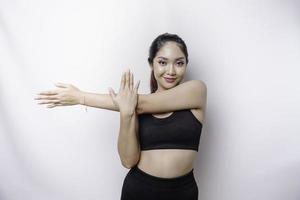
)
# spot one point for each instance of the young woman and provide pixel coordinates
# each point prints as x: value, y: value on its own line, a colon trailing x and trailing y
x: 158, y: 149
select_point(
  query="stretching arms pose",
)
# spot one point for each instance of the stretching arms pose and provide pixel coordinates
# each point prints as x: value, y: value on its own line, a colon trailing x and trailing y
x: 190, y: 94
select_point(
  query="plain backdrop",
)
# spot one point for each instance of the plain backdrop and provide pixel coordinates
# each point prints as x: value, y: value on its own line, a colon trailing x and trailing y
x: 247, y: 53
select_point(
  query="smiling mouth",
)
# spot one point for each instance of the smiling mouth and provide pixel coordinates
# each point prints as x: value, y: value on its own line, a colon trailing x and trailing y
x: 170, y: 80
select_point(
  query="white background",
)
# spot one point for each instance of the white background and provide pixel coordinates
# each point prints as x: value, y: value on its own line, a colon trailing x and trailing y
x: 247, y: 53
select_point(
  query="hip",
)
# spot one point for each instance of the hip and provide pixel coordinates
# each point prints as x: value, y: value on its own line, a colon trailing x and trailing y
x: 138, y: 184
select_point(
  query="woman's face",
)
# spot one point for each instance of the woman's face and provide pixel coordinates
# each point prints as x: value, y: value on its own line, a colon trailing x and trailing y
x: 169, y: 62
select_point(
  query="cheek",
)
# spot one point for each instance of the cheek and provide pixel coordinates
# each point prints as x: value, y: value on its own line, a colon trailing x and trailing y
x: 182, y: 70
x: 159, y: 70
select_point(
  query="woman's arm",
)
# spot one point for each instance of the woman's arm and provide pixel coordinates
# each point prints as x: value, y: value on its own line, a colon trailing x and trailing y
x: 191, y: 94
x: 128, y: 145
x: 188, y: 95
x: 97, y: 100
x: 103, y: 101
x: 68, y: 95
x: 126, y: 101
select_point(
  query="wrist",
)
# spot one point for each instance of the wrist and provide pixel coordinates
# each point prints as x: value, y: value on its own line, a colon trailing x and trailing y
x: 81, y: 98
x: 127, y: 113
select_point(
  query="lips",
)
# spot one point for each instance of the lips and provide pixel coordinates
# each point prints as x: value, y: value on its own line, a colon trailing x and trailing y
x: 170, y: 80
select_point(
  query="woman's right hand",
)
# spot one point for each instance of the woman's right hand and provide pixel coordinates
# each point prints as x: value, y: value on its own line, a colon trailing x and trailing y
x: 127, y: 98
x: 67, y: 95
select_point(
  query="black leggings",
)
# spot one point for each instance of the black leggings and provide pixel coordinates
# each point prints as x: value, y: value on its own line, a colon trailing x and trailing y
x: 139, y: 185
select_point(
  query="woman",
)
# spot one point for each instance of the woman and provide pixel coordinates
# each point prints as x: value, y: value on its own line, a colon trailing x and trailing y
x: 158, y: 149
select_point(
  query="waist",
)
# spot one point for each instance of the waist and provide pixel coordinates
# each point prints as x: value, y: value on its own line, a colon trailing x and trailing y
x: 167, y: 163
x: 186, y: 180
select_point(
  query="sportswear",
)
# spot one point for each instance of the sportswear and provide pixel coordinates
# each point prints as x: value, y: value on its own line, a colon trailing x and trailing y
x: 180, y: 130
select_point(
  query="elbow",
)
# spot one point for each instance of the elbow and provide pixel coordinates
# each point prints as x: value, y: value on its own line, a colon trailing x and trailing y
x: 127, y: 166
x: 139, y: 110
x: 130, y: 164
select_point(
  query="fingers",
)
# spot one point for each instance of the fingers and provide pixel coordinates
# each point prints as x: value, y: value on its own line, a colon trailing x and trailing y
x: 54, y: 105
x: 127, y: 81
x: 49, y: 92
x: 131, y: 81
x: 61, y: 85
x: 49, y: 102
x: 52, y: 97
x: 51, y: 106
x: 122, y: 86
x: 127, y: 77
x: 137, y: 86
x: 111, y: 92
x: 54, y: 92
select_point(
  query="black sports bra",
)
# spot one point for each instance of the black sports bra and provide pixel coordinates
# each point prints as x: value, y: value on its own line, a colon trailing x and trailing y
x: 180, y: 130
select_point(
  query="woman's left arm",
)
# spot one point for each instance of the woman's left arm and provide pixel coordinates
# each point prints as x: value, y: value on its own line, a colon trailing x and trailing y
x: 188, y: 95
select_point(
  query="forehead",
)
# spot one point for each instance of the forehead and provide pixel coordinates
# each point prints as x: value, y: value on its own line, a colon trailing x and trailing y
x: 170, y: 50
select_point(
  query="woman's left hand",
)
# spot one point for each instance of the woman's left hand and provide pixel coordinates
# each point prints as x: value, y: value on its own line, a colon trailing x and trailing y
x: 127, y: 98
x: 67, y: 95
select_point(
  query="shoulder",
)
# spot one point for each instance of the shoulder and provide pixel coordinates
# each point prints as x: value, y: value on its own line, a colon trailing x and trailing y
x: 198, y: 85
x: 199, y: 91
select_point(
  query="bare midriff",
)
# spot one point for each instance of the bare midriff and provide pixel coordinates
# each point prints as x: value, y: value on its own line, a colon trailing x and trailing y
x: 167, y: 163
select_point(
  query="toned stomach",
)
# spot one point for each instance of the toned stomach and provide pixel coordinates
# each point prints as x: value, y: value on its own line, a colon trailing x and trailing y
x: 167, y: 163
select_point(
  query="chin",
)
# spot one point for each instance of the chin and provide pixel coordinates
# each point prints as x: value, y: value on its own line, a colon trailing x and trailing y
x: 170, y: 85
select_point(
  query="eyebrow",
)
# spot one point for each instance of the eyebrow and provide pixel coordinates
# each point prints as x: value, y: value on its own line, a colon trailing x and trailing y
x: 167, y: 58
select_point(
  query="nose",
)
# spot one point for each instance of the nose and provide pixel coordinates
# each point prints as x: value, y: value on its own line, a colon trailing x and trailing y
x: 171, y: 69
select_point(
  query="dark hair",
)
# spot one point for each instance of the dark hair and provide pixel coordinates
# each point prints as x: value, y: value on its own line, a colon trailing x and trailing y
x: 155, y: 47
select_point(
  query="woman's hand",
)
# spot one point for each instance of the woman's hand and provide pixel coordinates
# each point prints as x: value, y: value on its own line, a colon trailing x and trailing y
x: 66, y: 96
x: 127, y: 98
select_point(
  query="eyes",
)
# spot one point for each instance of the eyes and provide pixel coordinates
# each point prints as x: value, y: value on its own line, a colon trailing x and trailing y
x: 163, y: 63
